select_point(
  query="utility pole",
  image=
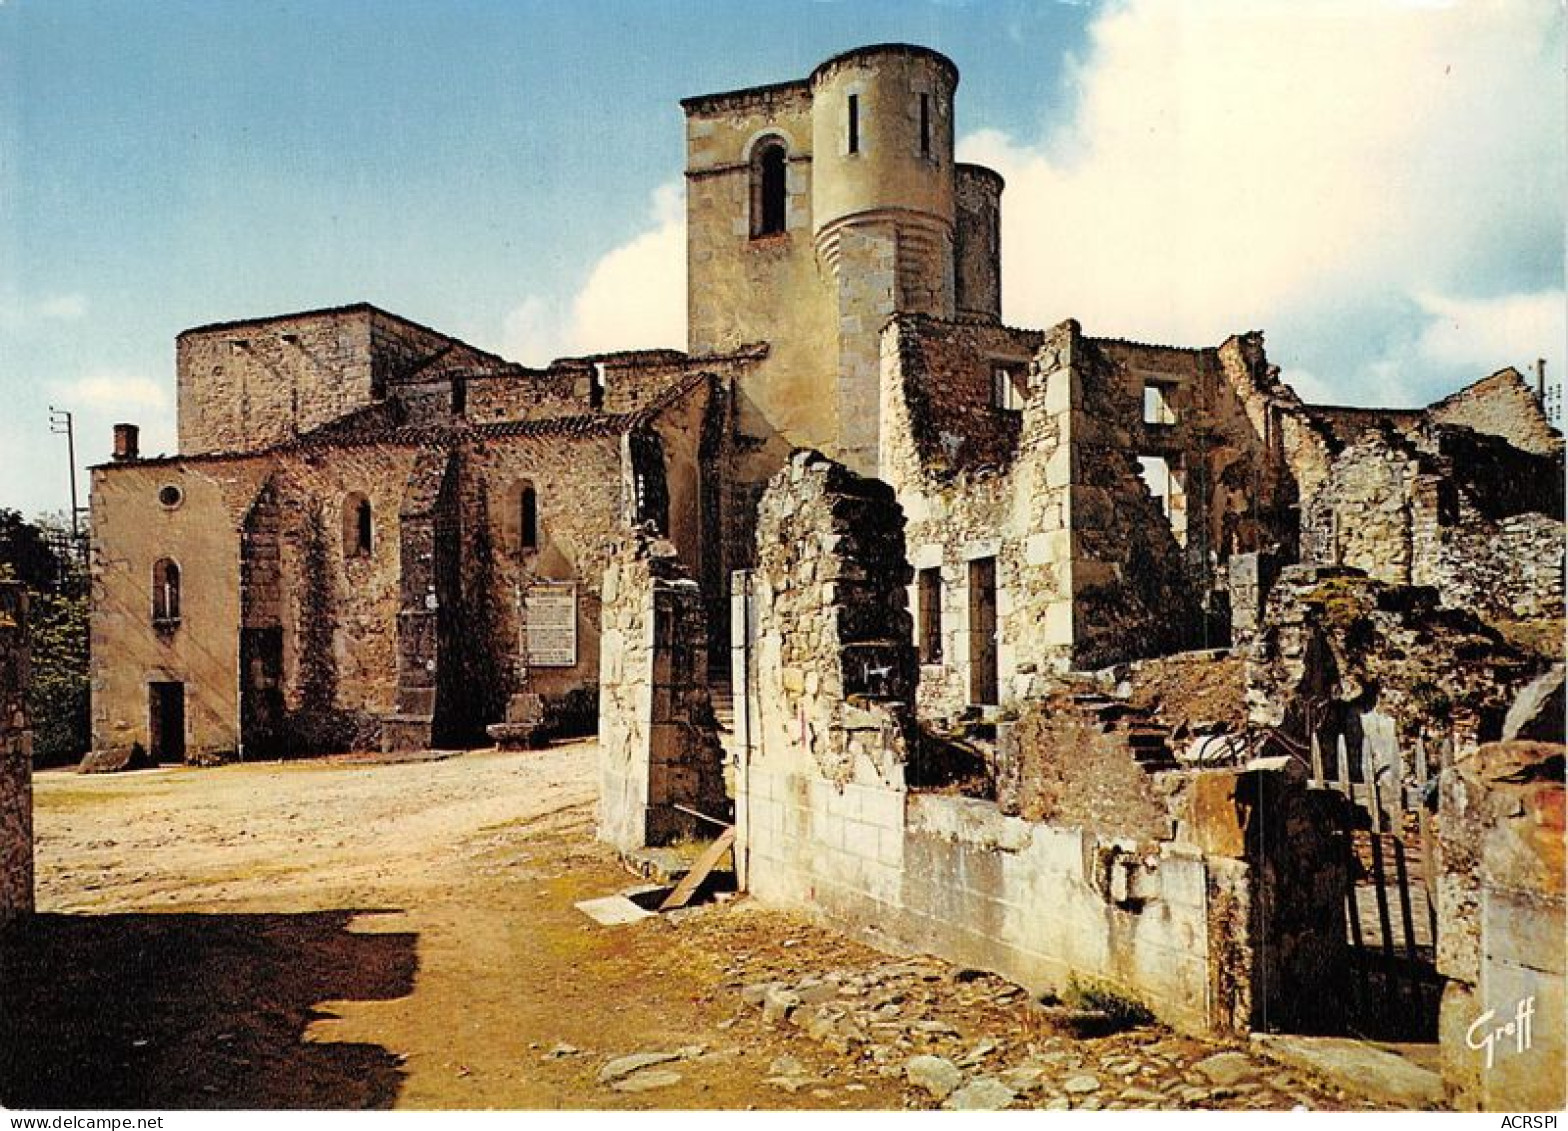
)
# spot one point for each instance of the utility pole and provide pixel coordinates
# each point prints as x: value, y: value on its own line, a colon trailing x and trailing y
x: 60, y: 423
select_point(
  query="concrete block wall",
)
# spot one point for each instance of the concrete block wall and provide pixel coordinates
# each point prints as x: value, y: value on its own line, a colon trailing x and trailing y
x: 16, y: 758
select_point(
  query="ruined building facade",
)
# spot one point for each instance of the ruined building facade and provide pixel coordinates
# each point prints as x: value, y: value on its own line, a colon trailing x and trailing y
x: 964, y: 575
x: 375, y: 533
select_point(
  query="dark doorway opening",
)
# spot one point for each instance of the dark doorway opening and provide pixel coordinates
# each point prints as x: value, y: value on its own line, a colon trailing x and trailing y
x: 166, y: 715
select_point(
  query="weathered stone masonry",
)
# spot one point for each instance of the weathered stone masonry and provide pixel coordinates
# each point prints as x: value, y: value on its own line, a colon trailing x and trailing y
x: 365, y: 578
x: 829, y: 821
x: 659, y: 743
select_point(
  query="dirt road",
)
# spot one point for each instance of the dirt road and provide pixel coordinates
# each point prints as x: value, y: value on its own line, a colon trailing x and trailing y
x: 340, y: 935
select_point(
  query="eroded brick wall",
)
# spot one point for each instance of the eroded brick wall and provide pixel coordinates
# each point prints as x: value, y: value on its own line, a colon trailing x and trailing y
x: 16, y: 758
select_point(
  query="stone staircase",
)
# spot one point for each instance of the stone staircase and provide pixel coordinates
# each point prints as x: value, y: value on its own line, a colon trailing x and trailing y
x: 1147, y: 738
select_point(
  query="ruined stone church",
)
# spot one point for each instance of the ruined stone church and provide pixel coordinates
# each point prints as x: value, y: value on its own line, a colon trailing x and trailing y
x: 375, y: 534
x: 1060, y: 656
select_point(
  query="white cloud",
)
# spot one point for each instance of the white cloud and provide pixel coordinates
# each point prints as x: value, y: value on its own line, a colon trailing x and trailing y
x: 25, y: 313
x: 112, y: 391
x: 1246, y: 164
x: 1492, y: 332
x: 634, y: 298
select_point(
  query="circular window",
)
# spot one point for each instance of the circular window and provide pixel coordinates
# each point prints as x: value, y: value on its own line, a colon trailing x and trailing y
x: 171, y: 496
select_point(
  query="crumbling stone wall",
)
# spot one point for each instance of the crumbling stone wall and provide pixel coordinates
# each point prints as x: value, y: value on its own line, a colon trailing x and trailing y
x: 1501, y: 947
x: 1164, y: 911
x: 1075, y: 769
x: 1466, y: 513
x: 658, y: 741
x: 16, y: 758
x: 1501, y: 405
x: 1086, y: 569
x: 1133, y: 595
x: 1340, y: 648
x: 834, y: 633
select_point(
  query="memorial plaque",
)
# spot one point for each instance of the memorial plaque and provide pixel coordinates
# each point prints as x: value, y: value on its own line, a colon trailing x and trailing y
x: 552, y: 626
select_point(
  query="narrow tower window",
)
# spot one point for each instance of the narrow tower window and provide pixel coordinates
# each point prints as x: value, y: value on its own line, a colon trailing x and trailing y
x: 165, y: 591
x: 854, y: 123
x: 357, y: 526
x: 925, y: 124
x: 768, y: 189
x: 528, y: 518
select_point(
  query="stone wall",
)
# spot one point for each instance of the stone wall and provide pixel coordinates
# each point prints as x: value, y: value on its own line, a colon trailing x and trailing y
x: 658, y: 741
x: 827, y: 822
x: 1086, y: 569
x: 16, y: 758
x: 1467, y: 513
x: 190, y: 513
x: 245, y: 386
x: 1501, y: 904
x: 372, y: 576
x: 1500, y: 405
x: 977, y: 242
x: 1341, y: 651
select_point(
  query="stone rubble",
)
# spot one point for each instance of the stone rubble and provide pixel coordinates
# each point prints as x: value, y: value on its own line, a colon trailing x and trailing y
x: 971, y: 1041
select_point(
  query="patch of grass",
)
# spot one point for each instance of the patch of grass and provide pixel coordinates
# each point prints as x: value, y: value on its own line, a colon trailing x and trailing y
x: 1125, y: 1011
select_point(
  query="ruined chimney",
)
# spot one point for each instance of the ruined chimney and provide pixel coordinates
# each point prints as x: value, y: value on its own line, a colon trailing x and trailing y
x: 1540, y: 379
x: 126, y: 446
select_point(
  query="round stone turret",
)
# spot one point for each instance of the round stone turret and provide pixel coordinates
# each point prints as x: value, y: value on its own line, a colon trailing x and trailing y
x: 882, y: 158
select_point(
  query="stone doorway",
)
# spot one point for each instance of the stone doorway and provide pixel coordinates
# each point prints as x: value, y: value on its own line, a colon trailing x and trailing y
x: 166, y: 721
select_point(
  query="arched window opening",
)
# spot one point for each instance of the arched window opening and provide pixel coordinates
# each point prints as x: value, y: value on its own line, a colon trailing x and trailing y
x: 528, y: 518
x: 165, y: 591
x: 769, y: 194
x: 358, y: 526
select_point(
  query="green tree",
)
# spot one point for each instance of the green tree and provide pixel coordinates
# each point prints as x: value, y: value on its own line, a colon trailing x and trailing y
x: 36, y: 554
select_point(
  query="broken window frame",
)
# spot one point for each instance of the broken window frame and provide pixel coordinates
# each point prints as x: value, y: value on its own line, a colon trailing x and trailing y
x: 1007, y: 386
x: 1158, y: 408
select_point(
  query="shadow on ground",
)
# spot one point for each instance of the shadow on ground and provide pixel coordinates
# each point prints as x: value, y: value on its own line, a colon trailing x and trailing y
x: 193, y: 1011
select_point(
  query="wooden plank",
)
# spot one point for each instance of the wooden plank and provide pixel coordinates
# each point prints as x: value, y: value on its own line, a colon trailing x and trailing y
x: 1342, y: 767
x: 1317, y: 761
x: 710, y: 857
x: 1385, y: 926
x: 1402, y: 878
x: 1424, y: 830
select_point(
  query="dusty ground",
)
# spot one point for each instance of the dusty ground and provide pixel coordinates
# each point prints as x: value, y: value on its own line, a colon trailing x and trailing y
x: 350, y: 936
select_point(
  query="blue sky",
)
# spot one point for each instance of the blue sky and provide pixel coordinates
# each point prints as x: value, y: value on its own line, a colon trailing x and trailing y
x: 1378, y: 185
